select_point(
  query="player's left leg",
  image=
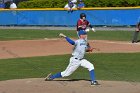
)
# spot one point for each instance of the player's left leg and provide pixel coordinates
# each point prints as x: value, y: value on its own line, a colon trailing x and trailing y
x: 90, y: 67
x: 73, y: 65
x: 138, y: 40
x: 78, y: 34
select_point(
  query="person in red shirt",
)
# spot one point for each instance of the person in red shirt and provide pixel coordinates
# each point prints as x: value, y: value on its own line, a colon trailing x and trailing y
x: 82, y: 24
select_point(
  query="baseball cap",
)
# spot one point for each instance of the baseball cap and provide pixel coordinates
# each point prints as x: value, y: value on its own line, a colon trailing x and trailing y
x: 82, y: 32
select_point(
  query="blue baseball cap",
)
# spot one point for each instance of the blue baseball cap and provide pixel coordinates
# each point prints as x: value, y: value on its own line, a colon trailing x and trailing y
x: 82, y: 32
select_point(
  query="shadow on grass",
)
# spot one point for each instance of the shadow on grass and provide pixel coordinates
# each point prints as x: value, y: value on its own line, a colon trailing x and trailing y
x: 70, y: 80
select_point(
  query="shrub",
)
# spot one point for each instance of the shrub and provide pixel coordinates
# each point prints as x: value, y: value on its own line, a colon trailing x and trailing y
x: 42, y: 4
x: 88, y: 3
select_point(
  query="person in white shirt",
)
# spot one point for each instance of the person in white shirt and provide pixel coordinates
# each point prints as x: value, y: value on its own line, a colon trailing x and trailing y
x: 71, y: 4
x: 74, y: 1
x: 13, y: 5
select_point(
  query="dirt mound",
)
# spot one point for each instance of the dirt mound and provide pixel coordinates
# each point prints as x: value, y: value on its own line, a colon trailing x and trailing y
x: 38, y: 85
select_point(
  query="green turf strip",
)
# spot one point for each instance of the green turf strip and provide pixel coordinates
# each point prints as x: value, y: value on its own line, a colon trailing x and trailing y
x: 18, y: 34
x: 108, y: 66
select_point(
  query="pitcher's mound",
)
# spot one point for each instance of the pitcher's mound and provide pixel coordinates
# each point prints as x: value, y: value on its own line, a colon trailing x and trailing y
x: 38, y: 85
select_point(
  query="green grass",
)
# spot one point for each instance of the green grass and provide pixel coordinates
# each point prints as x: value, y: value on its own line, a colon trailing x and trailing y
x: 108, y: 66
x: 115, y: 66
x: 18, y: 34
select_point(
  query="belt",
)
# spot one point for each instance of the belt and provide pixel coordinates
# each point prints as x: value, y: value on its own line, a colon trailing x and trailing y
x: 78, y: 59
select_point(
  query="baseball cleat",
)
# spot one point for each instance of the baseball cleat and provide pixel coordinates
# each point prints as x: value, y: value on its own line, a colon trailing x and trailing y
x: 138, y: 40
x: 134, y: 41
x: 48, y: 78
x: 94, y: 83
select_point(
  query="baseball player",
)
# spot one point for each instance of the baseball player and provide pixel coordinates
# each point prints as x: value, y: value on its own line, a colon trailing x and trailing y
x: 136, y: 33
x: 82, y: 24
x: 77, y: 59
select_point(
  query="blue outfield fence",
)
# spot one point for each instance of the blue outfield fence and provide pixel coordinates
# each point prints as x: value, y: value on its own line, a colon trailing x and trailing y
x: 111, y: 17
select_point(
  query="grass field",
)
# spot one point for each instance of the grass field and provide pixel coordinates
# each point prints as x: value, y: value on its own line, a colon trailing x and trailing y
x: 108, y: 66
x: 41, y: 34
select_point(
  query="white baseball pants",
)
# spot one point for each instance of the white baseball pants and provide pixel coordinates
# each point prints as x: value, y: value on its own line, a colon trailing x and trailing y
x: 74, y: 64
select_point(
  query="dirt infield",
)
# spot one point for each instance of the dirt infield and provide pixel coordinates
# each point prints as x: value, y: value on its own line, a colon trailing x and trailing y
x: 29, y: 48
x: 65, y: 86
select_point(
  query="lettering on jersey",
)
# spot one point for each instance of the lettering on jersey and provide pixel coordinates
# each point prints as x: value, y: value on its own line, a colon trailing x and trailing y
x: 82, y: 44
x: 84, y: 26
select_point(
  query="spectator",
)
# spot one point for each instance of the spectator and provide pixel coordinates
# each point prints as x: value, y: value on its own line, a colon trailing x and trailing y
x: 13, y: 5
x: 74, y: 1
x: 135, y: 37
x: 2, y: 5
x: 71, y: 4
x: 80, y: 4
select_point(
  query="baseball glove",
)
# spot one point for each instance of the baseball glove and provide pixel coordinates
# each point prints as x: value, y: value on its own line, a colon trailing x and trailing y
x: 90, y: 49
